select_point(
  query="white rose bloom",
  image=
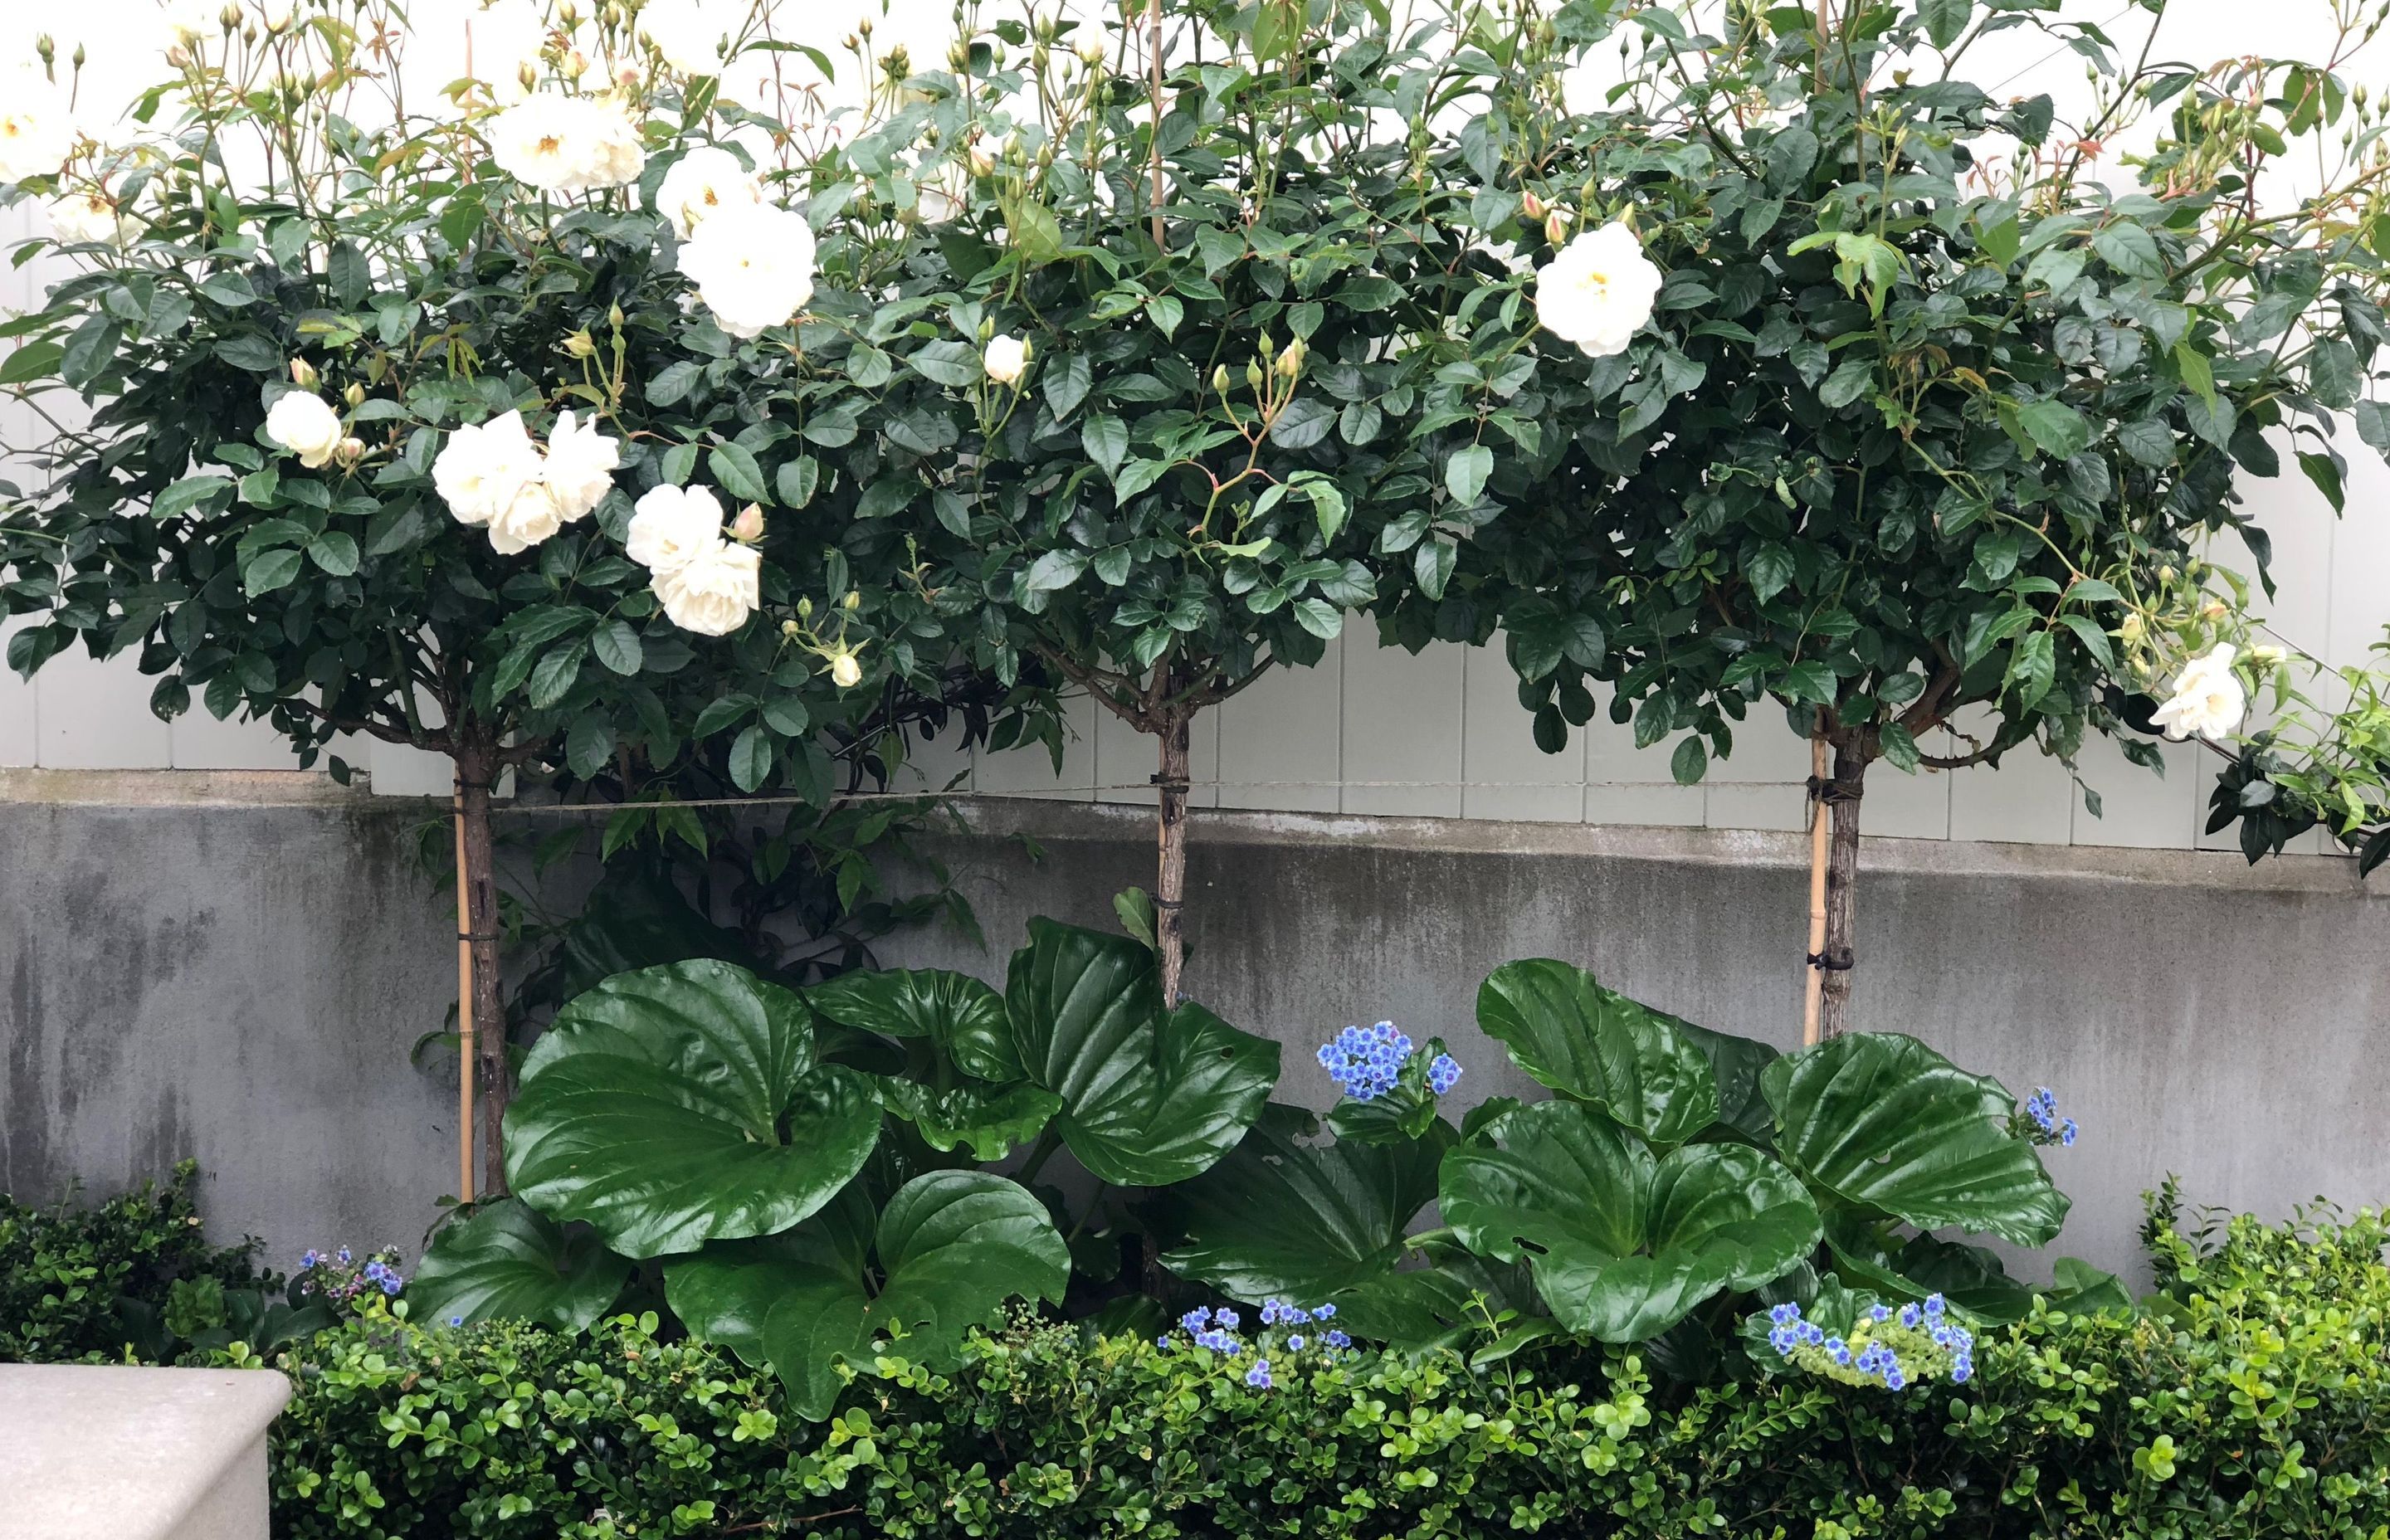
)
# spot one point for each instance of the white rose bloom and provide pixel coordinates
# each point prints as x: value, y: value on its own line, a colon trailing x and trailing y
x: 714, y: 591
x: 91, y: 217
x: 845, y: 671
x: 483, y: 469
x: 1599, y: 291
x: 752, y: 267
x: 2207, y: 700
x: 567, y: 144
x: 580, y: 469
x: 701, y: 182
x: 32, y: 142
x: 681, y: 32
x: 670, y: 525
x: 306, y: 425
x: 1005, y: 360
x: 531, y: 517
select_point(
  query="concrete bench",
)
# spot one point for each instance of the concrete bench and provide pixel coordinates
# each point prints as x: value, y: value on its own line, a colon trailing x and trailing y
x: 134, y: 1454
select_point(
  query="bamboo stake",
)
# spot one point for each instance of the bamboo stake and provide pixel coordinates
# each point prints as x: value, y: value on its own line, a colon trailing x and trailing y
x: 1153, y: 45
x: 1813, y: 989
x: 465, y: 1057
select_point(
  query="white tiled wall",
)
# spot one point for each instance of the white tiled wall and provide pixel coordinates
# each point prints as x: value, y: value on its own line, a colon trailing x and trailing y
x: 1378, y: 730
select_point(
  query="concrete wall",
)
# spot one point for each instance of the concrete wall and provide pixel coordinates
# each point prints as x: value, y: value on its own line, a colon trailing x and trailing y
x: 234, y: 967
x: 229, y: 967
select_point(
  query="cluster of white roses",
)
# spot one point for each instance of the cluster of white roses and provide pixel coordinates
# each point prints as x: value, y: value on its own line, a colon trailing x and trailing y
x: 752, y: 261
x: 2208, y: 698
x: 564, y: 144
x: 1599, y: 291
x: 708, y: 584
x: 493, y: 477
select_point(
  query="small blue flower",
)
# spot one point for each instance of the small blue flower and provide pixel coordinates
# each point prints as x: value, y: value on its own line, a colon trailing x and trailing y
x: 344, y: 1255
x: 1893, y: 1378
x: 1443, y: 1073
x: 1881, y: 1313
x: 1226, y: 1318
x: 2066, y: 1133
x: 1782, y: 1339
x: 1811, y: 1332
x: 1909, y: 1316
x: 1840, y: 1355
x: 1962, y: 1373
x: 310, y: 1259
x: 1934, y: 1304
x: 1195, y: 1320
x: 459, y: 1320
x: 1337, y: 1340
x: 1324, y: 1312
x: 1294, y: 1344
x: 1785, y: 1314
x: 391, y: 1283
x: 1258, y: 1377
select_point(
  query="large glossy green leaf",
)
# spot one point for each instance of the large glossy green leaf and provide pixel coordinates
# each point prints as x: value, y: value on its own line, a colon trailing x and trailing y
x: 508, y: 1262
x: 1887, y: 1124
x: 949, y: 1248
x: 679, y: 1105
x: 991, y: 1118
x: 1736, y: 1064
x: 1622, y: 1243
x: 1598, y: 1046
x: 1448, y: 1302
x: 1284, y: 1217
x: 962, y: 1016
x: 1149, y: 1098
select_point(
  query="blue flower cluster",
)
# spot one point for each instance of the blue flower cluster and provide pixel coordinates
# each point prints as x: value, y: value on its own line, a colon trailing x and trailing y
x: 337, y: 1279
x: 1366, y: 1061
x: 2042, y: 1108
x: 1215, y: 1332
x: 1443, y: 1073
x: 1874, y: 1352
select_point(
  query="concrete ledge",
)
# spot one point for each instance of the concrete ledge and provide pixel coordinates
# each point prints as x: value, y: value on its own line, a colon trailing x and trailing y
x: 134, y: 1454
x: 1054, y: 819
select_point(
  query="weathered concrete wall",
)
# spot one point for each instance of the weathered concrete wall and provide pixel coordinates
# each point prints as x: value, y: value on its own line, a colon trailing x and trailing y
x: 195, y: 971
x: 229, y: 967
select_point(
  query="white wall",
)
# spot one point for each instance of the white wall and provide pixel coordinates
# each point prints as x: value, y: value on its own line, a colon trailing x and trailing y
x: 1376, y: 730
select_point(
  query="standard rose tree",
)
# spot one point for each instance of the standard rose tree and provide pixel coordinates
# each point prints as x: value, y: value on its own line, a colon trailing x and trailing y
x: 1935, y: 406
x: 425, y: 427
x: 1156, y: 416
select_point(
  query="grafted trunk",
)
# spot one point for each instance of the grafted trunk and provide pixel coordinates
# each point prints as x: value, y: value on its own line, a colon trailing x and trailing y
x: 1835, y: 961
x: 476, y: 768
x: 1170, y: 873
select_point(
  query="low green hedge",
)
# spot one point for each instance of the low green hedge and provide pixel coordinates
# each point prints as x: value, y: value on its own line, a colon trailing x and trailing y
x: 2252, y: 1398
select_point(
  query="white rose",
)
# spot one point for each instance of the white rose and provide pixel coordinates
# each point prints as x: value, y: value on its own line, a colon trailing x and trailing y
x: 2207, y: 698
x: 483, y: 469
x: 714, y: 591
x: 567, y: 144
x: 91, y: 217
x: 845, y: 672
x: 1005, y: 360
x: 580, y: 468
x: 670, y: 525
x: 305, y: 424
x: 31, y: 143
x: 704, y: 180
x: 680, y: 31
x: 531, y: 518
x: 753, y: 268
x: 1599, y: 291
